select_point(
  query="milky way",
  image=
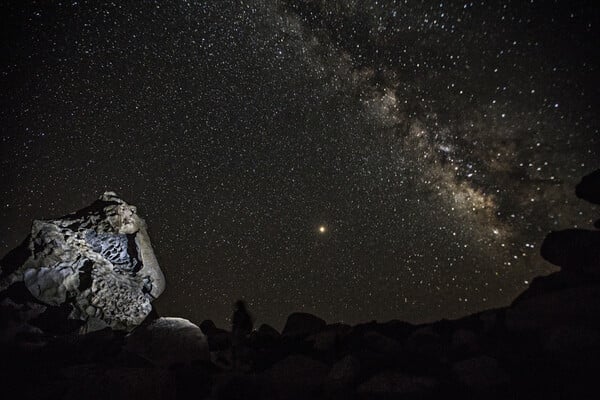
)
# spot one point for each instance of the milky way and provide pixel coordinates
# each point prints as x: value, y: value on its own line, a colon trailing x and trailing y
x: 355, y: 159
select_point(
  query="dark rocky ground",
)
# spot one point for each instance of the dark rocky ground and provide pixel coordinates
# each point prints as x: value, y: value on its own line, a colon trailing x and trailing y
x: 545, y: 345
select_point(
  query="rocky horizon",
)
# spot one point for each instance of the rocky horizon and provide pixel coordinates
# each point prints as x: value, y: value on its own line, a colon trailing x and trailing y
x: 544, y: 345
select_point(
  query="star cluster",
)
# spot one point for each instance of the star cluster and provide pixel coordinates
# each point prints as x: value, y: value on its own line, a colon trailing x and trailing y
x: 357, y: 160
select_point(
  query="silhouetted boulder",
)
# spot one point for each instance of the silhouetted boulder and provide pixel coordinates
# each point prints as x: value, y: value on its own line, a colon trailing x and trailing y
x: 570, y: 306
x: 207, y: 326
x: 557, y: 281
x: 395, y: 329
x: 589, y: 188
x: 218, y: 339
x: 268, y: 331
x: 480, y: 373
x: 169, y: 341
x: 265, y: 337
x: 573, y: 249
x: 302, y: 324
x: 395, y: 384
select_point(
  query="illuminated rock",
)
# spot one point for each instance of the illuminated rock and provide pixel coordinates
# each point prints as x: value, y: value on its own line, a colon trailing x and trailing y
x: 97, y: 261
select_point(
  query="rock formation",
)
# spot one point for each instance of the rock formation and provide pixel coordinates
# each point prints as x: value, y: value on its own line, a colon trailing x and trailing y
x: 97, y: 263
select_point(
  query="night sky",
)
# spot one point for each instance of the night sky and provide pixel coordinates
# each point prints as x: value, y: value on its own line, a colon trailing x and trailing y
x: 358, y: 160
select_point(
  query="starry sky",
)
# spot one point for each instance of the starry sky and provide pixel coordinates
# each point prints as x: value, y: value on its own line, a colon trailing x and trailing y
x: 354, y: 159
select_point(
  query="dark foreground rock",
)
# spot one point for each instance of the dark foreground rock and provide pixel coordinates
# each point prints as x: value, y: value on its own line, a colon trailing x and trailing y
x: 589, y: 188
x: 302, y: 324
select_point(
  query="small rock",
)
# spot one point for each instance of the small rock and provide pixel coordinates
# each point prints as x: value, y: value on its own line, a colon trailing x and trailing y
x: 218, y: 339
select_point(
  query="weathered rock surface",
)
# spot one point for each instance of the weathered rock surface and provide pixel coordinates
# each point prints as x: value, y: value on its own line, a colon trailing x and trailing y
x: 97, y: 261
